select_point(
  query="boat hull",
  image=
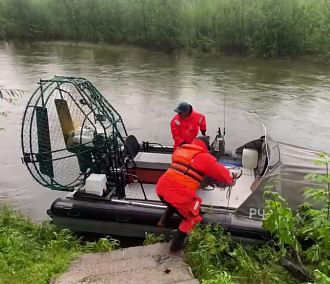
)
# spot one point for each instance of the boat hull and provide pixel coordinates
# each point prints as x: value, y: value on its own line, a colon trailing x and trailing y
x: 129, y: 219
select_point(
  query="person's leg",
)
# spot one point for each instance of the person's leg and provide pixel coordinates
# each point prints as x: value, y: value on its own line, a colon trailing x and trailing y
x: 166, y: 216
x: 179, y: 241
x: 191, y: 218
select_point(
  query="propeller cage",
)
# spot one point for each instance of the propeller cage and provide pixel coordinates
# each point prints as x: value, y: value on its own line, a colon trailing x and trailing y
x: 69, y: 131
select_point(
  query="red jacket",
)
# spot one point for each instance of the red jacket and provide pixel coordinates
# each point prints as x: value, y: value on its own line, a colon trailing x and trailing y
x: 177, y: 193
x: 187, y: 129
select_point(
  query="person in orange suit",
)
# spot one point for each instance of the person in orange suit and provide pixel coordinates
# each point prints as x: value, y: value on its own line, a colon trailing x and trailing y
x: 177, y: 187
x: 186, y: 124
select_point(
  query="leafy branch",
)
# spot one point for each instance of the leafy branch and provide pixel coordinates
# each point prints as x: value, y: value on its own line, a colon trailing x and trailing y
x: 280, y: 222
x: 9, y: 96
x: 318, y: 226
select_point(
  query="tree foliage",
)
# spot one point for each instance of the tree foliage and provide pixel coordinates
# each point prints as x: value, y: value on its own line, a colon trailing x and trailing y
x: 258, y: 27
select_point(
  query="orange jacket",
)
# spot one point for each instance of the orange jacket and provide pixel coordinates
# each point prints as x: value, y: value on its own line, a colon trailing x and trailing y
x: 182, y: 170
x: 178, y: 184
x: 187, y: 129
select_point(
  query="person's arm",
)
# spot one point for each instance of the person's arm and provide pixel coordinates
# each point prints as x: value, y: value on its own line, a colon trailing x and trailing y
x: 208, y: 165
x: 202, y: 124
x: 175, y: 129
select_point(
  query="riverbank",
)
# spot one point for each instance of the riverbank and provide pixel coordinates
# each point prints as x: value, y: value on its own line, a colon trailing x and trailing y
x: 189, y: 53
x: 260, y: 28
x: 31, y: 253
x: 194, y: 53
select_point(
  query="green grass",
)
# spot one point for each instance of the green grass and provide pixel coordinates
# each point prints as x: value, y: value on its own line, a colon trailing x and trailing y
x: 151, y: 239
x: 214, y: 259
x: 265, y: 28
x: 31, y: 253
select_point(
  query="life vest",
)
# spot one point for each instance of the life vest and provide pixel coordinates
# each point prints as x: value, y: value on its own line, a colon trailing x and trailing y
x: 181, y: 169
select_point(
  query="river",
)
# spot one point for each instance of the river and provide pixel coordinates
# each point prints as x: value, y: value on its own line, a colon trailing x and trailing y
x: 291, y: 98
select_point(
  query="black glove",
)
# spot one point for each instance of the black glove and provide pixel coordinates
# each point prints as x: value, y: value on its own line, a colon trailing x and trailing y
x: 203, y: 132
x: 184, y: 142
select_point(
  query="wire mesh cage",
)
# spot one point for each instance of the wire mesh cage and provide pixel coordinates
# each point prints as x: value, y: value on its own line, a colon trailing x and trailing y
x: 69, y: 131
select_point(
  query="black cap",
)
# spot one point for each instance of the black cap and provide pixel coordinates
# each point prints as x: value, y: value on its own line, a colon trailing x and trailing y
x: 205, y: 140
x: 182, y: 107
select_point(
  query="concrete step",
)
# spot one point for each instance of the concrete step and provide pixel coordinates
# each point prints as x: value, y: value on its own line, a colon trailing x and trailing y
x: 192, y: 281
x: 149, y: 264
x: 132, y: 252
x: 164, y: 275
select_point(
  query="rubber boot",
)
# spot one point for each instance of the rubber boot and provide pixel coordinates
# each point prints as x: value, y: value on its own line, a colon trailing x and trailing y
x: 166, y: 217
x: 180, y: 240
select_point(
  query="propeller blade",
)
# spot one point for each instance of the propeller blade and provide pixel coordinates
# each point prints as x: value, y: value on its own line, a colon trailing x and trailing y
x: 65, y: 118
x: 45, y: 155
x: 63, y: 112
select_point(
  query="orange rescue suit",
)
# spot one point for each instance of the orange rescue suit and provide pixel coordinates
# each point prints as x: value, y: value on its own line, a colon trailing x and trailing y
x: 186, y: 129
x: 180, y: 182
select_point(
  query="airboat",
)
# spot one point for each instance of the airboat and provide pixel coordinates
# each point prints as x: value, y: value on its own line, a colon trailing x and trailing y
x: 74, y: 140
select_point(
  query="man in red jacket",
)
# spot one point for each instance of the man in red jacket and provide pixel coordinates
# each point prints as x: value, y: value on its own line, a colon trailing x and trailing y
x: 177, y: 187
x: 186, y: 124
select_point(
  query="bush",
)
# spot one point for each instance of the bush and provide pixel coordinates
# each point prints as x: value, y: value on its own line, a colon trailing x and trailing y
x: 214, y: 258
x: 307, y: 224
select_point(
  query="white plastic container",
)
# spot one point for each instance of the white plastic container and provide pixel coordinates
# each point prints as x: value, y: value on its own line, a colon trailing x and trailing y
x: 96, y: 184
x: 250, y: 158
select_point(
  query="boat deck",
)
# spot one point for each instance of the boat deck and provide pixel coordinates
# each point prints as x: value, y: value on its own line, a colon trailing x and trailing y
x: 216, y: 197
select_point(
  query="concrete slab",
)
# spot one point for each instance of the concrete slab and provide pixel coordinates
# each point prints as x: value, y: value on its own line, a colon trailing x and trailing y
x: 146, y: 264
x: 193, y: 281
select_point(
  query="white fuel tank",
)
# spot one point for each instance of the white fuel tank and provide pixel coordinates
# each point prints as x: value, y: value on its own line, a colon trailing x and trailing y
x: 250, y: 158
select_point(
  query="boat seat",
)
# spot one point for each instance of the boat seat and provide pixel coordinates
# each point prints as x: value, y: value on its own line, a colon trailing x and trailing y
x: 146, y: 160
x: 155, y: 161
x: 132, y: 145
